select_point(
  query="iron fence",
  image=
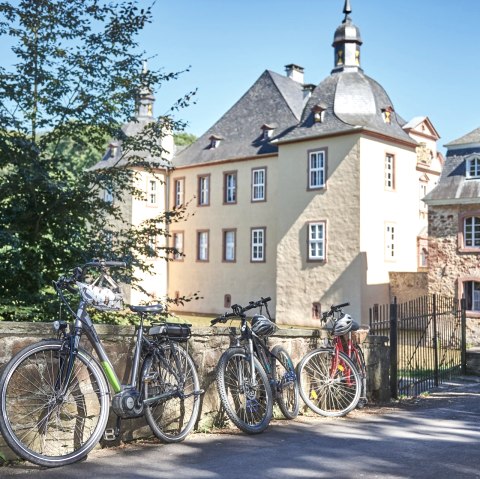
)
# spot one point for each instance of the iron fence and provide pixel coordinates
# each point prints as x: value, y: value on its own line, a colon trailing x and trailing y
x: 427, y: 341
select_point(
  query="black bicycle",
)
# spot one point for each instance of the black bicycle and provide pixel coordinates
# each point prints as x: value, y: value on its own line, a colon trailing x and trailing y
x: 250, y: 376
x: 55, y: 396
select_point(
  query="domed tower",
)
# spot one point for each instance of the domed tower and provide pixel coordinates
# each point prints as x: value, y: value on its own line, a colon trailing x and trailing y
x: 347, y: 42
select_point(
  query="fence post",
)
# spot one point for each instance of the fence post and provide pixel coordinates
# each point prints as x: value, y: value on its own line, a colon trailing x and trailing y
x: 463, y: 306
x: 435, y: 342
x: 393, y: 349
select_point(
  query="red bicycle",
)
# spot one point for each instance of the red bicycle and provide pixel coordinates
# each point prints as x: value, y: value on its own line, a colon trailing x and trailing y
x: 332, y: 378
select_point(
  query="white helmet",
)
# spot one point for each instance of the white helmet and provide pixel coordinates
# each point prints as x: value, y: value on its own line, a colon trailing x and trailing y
x: 262, y: 326
x: 342, y: 325
x: 100, y: 297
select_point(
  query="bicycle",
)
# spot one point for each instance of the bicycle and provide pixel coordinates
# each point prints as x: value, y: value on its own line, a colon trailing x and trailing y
x: 55, y: 397
x: 250, y: 376
x: 333, y: 378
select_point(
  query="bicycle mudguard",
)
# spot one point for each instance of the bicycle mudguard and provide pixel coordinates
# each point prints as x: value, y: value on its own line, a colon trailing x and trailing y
x: 174, y: 331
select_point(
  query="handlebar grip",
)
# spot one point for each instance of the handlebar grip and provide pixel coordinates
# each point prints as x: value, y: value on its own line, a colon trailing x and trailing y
x: 266, y: 300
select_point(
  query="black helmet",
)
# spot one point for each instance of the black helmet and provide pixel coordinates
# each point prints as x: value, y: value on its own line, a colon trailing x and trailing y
x: 262, y: 326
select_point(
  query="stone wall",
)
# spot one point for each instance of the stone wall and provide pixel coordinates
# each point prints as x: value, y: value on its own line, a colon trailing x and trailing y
x: 450, y: 265
x: 408, y: 286
x: 205, y: 346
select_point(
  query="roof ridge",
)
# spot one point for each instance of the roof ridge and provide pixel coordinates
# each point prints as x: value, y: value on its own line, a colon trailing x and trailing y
x: 284, y: 78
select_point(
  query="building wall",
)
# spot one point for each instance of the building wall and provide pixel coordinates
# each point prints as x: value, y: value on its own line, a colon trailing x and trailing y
x: 300, y: 282
x: 243, y: 280
x: 449, y: 267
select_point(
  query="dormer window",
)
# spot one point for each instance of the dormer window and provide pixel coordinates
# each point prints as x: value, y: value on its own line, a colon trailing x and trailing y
x: 387, y: 114
x: 215, y: 141
x: 113, y: 147
x: 473, y: 167
x: 267, y: 131
x: 319, y: 112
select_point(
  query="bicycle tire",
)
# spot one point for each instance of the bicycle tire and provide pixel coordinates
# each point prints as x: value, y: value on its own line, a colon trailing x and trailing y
x: 358, y: 359
x: 37, y: 423
x: 326, y: 392
x: 249, y: 407
x: 172, y: 418
x: 285, y: 382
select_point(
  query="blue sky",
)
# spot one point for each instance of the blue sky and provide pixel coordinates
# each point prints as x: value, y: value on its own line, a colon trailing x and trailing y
x: 423, y: 52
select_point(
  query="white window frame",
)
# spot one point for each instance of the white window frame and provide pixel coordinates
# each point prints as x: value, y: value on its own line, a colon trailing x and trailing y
x: 316, y: 241
x: 229, y: 246
x: 473, y: 167
x: 107, y: 196
x: 259, y: 183
x: 317, y: 162
x: 179, y: 191
x: 202, y: 245
x: 471, y: 238
x: 257, y: 245
x: 390, y: 241
x: 204, y: 190
x: 178, y: 245
x: 230, y: 183
x: 475, y: 299
x: 389, y: 172
x: 152, y: 193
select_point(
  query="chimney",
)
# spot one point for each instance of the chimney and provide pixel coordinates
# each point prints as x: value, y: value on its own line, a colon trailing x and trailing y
x: 294, y: 72
x: 307, y: 91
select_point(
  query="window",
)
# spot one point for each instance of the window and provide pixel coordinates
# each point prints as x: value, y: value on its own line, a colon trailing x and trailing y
x: 471, y: 233
x: 179, y: 190
x: 316, y: 169
x: 108, y: 196
x: 204, y: 190
x: 471, y: 291
x: 229, y: 240
x: 230, y: 187
x: 316, y: 241
x: 390, y: 231
x: 178, y: 245
x: 152, y: 246
x: 257, y: 245
x: 202, y: 245
x: 473, y: 167
x: 152, y: 193
x: 389, y: 172
x: 259, y: 184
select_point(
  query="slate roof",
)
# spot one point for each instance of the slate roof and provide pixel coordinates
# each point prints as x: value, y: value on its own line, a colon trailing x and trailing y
x: 273, y: 100
x: 353, y: 101
x: 129, y: 129
x: 454, y: 186
x: 469, y: 138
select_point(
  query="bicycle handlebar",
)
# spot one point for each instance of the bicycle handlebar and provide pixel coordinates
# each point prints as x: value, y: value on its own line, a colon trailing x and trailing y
x: 239, y: 311
x: 333, y: 309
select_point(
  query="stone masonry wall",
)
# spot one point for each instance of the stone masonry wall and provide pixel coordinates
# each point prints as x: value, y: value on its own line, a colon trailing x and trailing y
x: 408, y: 286
x: 205, y: 346
x: 447, y: 264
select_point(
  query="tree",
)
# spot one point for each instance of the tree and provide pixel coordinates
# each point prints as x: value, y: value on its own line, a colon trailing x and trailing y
x: 73, y: 85
x: 184, y: 139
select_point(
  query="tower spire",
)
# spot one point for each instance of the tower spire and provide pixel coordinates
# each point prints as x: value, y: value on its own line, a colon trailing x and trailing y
x: 145, y: 99
x: 347, y: 9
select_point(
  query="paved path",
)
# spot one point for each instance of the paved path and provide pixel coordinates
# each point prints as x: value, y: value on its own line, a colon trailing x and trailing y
x: 433, y: 437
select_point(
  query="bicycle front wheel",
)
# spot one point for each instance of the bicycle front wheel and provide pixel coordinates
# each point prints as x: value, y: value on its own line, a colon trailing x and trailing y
x: 170, y: 376
x: 44, y: 420
x: 285, y: 382
x: 245, y: 394
x: 330, y: 385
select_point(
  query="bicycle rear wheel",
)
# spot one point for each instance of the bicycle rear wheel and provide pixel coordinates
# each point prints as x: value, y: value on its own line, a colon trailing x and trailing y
x: 171, y: 374
x: 42, y: 421
x: 285, y: 382
x: 358, y: 359
x: 330, y: 386
x: 246, y: 397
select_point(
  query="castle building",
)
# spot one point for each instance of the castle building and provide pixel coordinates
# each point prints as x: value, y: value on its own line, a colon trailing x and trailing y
x: 309, y: 194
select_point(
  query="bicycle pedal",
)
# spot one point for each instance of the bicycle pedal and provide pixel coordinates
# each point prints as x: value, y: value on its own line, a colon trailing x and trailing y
x: 110, y: 434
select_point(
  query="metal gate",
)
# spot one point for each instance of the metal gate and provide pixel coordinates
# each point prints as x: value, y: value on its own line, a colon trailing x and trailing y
x: 427, y: 341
